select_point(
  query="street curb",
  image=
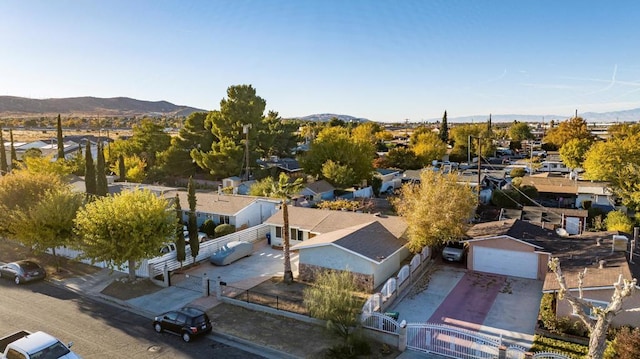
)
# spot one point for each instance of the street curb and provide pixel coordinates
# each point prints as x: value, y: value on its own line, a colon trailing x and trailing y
x: 258, y: 349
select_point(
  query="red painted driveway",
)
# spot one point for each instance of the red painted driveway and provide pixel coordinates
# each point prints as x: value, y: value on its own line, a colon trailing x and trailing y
x: 469, y: 302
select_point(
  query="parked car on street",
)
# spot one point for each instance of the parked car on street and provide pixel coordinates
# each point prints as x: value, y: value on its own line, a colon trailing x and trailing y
x: 39, y: 345
x: 231, y: 252
x: 187, y: 322
x: 454, y: 251
x: 22, y: 271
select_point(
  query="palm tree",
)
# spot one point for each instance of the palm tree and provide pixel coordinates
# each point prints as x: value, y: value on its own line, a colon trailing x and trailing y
x: 284, y: 189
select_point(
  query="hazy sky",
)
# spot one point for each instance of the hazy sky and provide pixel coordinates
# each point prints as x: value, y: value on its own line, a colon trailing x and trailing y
x: 381, y: 60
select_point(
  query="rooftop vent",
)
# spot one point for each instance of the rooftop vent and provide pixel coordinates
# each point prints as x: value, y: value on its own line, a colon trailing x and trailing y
x: 602, y: 264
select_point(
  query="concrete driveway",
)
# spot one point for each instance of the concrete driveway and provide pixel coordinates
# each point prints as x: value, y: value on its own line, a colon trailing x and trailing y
x: 489, y: 304
x: 264, y: 263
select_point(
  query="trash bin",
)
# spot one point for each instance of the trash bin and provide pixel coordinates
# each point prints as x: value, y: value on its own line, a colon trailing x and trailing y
x: 394, y: 315
x: 268, y: 238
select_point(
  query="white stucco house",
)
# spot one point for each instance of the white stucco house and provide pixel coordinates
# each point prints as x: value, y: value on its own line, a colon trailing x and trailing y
x: 239, y: 211
x: 370, y: 246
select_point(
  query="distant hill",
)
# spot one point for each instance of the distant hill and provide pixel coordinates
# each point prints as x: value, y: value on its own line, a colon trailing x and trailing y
x: 326, y: 117
x: 20, y: 107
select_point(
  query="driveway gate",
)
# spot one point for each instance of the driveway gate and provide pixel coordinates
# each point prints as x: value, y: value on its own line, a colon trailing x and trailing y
x: 451, y: 342
x: 187, y: 281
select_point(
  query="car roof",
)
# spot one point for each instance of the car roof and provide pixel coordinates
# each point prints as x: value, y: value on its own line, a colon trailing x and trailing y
x: 27, y: 263
x: 191, y: 311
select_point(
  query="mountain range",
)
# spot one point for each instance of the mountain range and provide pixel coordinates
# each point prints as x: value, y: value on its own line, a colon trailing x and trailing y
x: 21, y: 107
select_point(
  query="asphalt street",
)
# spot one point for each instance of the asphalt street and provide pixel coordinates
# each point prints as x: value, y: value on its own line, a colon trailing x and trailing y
x: 97, y: 329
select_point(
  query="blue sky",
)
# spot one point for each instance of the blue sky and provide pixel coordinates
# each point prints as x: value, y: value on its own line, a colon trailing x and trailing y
x: 382, y: 60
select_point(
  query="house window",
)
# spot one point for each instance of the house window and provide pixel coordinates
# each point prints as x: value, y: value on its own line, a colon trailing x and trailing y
x: 223, y: 219
x: 296, y: 234
x: 589, y: 310
x: 278, y: 232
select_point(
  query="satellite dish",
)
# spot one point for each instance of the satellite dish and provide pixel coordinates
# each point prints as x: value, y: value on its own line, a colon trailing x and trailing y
x: 562, y: 232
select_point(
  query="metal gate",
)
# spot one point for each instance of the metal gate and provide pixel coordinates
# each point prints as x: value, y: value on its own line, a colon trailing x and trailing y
x: 186, y: 281
x: 451, y: 342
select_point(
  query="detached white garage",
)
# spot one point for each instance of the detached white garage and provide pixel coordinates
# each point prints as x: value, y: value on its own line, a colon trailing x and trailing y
x: 509, y: 247
x: 505, y: 262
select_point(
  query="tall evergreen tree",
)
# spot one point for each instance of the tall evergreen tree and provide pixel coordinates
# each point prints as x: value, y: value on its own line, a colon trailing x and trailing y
x: 444, y: 129
x: 489, y: 123
x: 3, y: 157
x: 89, y: 171
x: 181, y: 254
x: 60, y: 140
x: 192, y: 226
x: 102, y: 187
x: 14, y: 156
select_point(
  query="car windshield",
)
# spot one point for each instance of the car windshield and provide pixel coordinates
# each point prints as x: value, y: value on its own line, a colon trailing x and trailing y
x: 53, y: 352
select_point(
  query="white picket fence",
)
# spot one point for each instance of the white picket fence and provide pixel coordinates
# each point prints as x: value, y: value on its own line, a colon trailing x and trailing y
x: 155, y: 266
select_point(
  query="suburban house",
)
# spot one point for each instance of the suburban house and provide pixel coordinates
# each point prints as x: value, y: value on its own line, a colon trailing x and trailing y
x: 606, y: 256
x: 573, y: 221
x: 391, y: 179
x: 239, y: 211
x: 509, y: 248
x: 370, y: 246
x: 557, y: 191
x: 289, y: 166
x: 318, y: 191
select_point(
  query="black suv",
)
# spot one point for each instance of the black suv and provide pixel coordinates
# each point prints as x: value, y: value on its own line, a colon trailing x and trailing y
x: 186, y: 322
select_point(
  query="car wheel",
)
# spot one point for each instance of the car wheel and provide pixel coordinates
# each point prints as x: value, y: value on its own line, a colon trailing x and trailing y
x: 17, y: 280
x: 186, y: 337
x: 157, y: 327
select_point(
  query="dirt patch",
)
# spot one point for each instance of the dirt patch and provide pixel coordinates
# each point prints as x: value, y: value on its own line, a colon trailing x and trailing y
x: 57, y: 267
x: 275, y: 293
x: 124, y: 290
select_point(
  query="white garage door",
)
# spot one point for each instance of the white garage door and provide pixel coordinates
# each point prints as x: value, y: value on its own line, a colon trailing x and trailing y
x: 501, y: 261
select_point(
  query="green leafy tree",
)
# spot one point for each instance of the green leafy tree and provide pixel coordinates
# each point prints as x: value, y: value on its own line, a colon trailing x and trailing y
x: 4, y: 167
x: 573, y: 152
x: 45, y: 165
x: 134, y: 169
x: 520, y: 131
x: 102, y: 188
x: 429, y: 147
x: 223, y: 230
x: 241, y: 109
x: 402, y: 158
x: 623, y: 130
x: 574, y: 128
x: 444, y: 129
x: 49, y: 223
x: 599, y: 320
x: 262, y: 188
x: 460, y: 135
x: 176, y: 160
x: 124, y: 228
x: 192, y: 224
x: 21, y: 189
x: 437, y: 210
x: 181, y: 254
x: 618, y: 221
x: 89, y: 172
x: 284, y: 189
x: 60, y: 139
x: 333, y: 298
x: 336, y: 144
x: 150, y: 139
x: 341, y: 176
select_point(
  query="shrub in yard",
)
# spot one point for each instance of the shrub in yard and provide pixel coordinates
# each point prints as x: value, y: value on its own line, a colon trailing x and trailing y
x: 626, y: 344
x: 208, y: 227
x: 547, y: 314
x: 505, y: 198
x: 223, y: 230
x: 618, y: 221
x: 517, y: 172
x: 572, y: 350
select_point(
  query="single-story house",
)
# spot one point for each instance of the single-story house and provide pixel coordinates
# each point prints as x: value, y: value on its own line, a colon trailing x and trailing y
x: 573, y: 221
x: 606, y: 256
x: 318, y: 191
x: 391, y: 179
x: 564, y: 192
x: 239, y: 211
x: 370, y: 246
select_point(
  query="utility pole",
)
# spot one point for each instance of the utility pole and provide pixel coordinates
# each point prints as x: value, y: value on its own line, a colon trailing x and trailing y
x: 479, y: 166
x: 245, y: 130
